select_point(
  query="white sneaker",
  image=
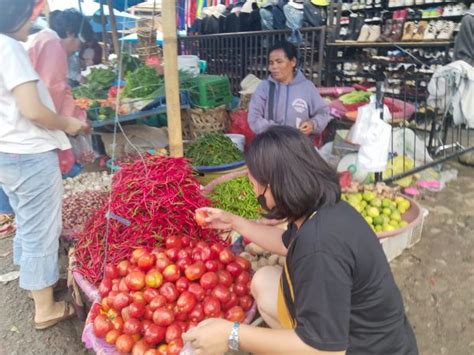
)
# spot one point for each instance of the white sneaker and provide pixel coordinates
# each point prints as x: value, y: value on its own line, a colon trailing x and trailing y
x: 355, y: 5
x: 409, y: 2
x: 430, y: 32
x: 459, y: 9
x: 446, y: 32
x: 448, y: 10
x: 346, y: 6
x: 458, y: 26
x: 419, y: 2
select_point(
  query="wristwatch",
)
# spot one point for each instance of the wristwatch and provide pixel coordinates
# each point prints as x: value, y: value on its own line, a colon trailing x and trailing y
x: 234, y: 337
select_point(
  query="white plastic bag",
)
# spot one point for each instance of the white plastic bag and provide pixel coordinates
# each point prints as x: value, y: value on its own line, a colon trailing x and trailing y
x: 82, y: 148
x: 373, y: 136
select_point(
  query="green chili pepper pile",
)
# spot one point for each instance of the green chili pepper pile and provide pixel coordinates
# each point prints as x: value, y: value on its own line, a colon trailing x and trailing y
x: 213, y: 149
x: 236, y: 196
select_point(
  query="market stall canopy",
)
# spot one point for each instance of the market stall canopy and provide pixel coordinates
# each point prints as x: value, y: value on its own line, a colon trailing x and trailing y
x: 91, y: 9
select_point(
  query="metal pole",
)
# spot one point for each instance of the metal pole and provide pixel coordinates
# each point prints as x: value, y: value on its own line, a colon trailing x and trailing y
x: 173, y: 110
x: 113, y: 25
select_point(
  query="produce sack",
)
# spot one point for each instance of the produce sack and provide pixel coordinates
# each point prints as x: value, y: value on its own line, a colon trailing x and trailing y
x: 240, y: 125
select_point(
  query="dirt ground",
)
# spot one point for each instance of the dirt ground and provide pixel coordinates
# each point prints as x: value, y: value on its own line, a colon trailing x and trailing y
x: 436, y: 278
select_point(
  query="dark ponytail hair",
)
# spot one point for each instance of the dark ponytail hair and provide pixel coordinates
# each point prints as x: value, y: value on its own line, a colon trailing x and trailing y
x: 14, y: 14
x: 300, y: 180
x: 70, y: 22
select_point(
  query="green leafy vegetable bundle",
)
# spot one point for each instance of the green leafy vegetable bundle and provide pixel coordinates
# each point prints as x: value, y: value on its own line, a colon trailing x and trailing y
x: 213, y: 149
x: 142, y: 83
x: 355, y: 97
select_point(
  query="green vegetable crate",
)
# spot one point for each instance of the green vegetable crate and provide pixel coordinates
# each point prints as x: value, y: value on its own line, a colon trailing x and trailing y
x: 211, y: 91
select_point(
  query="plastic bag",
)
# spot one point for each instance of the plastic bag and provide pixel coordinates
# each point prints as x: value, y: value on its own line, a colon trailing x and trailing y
x: 373, y: 136
x: 82, y: 148
x: 66, y: 160
x: 240, y: 125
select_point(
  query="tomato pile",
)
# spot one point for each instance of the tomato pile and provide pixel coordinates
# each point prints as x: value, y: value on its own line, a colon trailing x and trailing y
x: 151, y: 299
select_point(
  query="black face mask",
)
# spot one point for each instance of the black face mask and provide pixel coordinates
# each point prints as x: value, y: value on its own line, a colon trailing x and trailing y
x: 262, y: 200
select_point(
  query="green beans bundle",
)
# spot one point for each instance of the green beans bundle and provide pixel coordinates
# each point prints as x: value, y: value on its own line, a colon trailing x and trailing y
x: 213, y: 149
x: 237, y: 196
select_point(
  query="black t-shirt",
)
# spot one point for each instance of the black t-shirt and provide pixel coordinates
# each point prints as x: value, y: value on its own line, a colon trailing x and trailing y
x: 345, y: 294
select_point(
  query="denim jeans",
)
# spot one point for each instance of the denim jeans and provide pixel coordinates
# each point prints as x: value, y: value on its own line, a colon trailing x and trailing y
x: 34, y: 187
x: 5, y: 207
x: 294, y: 17
x: 266, y: 18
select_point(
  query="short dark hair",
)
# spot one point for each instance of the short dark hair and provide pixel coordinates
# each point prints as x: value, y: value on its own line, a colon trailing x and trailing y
x: 285, y: 46
x: 70, y: 22
x: 14, y: 14
x: 301, y: 181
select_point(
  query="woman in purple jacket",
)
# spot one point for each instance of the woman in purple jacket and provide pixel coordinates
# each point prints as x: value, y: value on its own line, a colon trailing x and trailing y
x: 287, y: 97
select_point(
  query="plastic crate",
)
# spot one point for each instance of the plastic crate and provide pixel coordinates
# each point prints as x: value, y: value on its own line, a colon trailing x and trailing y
x: 211, y: 91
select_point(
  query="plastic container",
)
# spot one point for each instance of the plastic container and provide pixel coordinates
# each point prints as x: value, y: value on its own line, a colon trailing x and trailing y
x: 212, y: 91
x: 395, y: 242
x: 210, y: 173
x: 238, y: 139
x: 189, y: 63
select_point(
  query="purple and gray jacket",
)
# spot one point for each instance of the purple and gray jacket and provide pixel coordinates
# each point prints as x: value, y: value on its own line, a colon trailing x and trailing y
x: 295, y: 102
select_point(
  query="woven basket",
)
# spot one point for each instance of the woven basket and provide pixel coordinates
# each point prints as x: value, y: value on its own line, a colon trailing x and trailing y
x: 244, y: 102
x: 213, y: 120
x: 146, y: 28
x: 186, y: 124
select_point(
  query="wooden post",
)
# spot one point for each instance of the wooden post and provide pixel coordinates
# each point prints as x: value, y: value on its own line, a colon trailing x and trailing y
x: 173, y: 110
x: 105, y: 52
x: 113, y: 25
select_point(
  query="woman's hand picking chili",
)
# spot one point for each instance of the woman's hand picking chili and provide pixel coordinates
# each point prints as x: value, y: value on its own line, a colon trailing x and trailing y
x: 216, y: 218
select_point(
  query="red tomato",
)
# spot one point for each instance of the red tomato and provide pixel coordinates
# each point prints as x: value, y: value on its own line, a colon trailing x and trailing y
x: 111, y: 271
x: 209, y: 280
x: 145, y: 324
x: 234, y: 268
x: 211, y: 306
x: 169, y: 291
x: 186, y: 302
x: 180, y: 316
x: 151, y: 352
x: 122, y: 300
x: 111, y: 336
x: 222, y: 293
x: 132, y: 326
x: 197, y: 290
x: 200, y: 217
x: 182, y: 284
x: 241, y: 289
x: 154, y: 278
x: 102, y: 325
x: 136, y: 310
x: 122, y: 286
x: 138, y: 296
x: 196, y: 255
x: 185, y: 240
x: 195, y: 271
x: 157, y: 302
x: 172, y: 254
x: 208, y: 254
x: 136, y: 254
x: 182, y: 253
x: 233, y: 301
x: 175, y: 347
x: 150, y: 293
x: 173, y: 241
x: 197, y: 314
x: 211, y: 265
x: 171, y: 273
x: 105, y: 287
x: 225, y: 278
x: 243, y: 278
x: 246, y: 302
x: 173, y: 332
x: 115, y: 287
x: 154, y: 334
x: 148, y: 312
x: 235, y: 314
x: 124, y: 343
x: 135, y: 280
x: 162, y: 261
x: 184, y: 263
x: 182, y: 325
x: 217, y: 248
x: 146, y: 261
x: 112, y: 314
x: 226, y: 256
x: 163, y: 317
x: 140, y: 347
x: 124, y: 314
x: 244, y: 263
x: 122, y: 267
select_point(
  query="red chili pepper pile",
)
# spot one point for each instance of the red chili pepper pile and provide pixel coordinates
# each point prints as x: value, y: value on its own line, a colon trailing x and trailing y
x: 158, y: 196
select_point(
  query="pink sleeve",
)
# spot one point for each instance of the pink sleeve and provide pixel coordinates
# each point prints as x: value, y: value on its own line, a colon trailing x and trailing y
x: 49, y: 59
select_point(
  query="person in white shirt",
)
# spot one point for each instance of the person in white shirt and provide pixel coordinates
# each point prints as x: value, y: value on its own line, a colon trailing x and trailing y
x: 31, y: 133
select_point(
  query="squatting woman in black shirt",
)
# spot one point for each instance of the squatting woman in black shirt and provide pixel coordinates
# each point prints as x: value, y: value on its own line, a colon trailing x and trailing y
x: 336, y: 293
